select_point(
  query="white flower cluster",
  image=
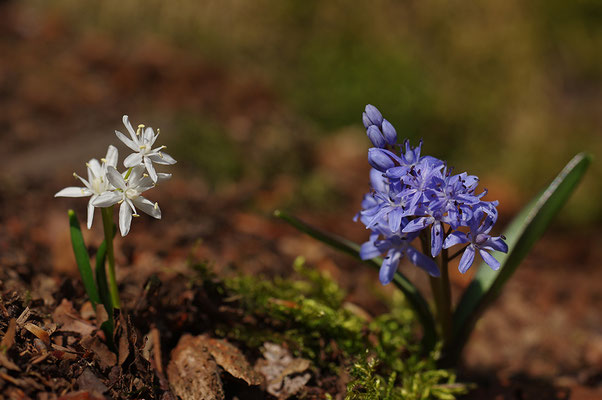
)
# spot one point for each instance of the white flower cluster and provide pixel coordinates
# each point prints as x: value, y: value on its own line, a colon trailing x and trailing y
x: 107, y: 186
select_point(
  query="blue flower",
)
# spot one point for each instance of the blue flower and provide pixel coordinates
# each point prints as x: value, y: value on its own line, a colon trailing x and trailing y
x: 479, y: 240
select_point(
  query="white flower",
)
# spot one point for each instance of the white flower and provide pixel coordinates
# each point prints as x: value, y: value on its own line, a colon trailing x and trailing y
x: 128, y: 193
x: 142, y: 142
x: 97, y: 182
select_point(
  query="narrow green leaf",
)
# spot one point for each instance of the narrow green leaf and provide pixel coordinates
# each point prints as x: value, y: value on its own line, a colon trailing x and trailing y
x: 103, y: 289
x: 521, y: 235
x: 411, y: 292
x: 82, y: 259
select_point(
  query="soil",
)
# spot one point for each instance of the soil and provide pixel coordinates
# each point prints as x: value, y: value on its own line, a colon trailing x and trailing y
x: 62, y: 94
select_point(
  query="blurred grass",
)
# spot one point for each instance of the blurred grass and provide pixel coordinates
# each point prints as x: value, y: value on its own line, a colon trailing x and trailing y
x: 508, y: 90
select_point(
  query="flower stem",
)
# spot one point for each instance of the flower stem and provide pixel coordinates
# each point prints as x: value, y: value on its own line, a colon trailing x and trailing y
x: 107, y: 223
x: 446, y: 303
x: 441, y: 290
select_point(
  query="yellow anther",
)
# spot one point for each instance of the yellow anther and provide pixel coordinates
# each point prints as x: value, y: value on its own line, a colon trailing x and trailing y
x: 104, y: 160
x: 156, y: 205
x: 145, y: 175
x: 75, y: 175
x: 135, y: 215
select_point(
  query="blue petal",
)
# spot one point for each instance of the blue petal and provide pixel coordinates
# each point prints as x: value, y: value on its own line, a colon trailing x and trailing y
x: 436, y: 238
x: 368, y: 250
x: 489, y: 259
x: 366, y: 120
x: 416, y: 225
x: 389, y: 132
x: 381, y: 159
x: 455, y: 238
x: 389, y: 266
x: 377, y: 181
x: 422, y: 261
x: 376, y: 136
x: 395, y: 219
x: 496, y: 243
x: 467, y: 259
x: 374, y: 115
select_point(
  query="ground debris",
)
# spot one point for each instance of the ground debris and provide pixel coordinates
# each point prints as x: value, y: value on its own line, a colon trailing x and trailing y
x: 285, y: 375
x: 193, y: 373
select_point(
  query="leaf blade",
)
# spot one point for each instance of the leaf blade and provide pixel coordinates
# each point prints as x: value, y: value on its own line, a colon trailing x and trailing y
x: 522, y: 233
x: 82, y: 259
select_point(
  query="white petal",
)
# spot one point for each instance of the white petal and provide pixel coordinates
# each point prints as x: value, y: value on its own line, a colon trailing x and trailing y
x: 112, y: 156
x: 94, y: 166
x: 151, y: 170
x: 91, y: 210
x: 73, y: 191
x: 148, y: 207
x: 125, y: 218
x: 126, y: 122
x: 163, y: 176
x: 107, y: 199
x: 162, y: 158
x: 128, y: 142
x: 132, y: 160
x: 136, y: 176
x: 149, y: 135
x: 115, y: 178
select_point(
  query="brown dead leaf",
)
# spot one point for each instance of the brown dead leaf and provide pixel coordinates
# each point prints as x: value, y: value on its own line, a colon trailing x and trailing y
x: 230, y: 359
x: 9, y: 337
x: 193, y: 373
x: 70, y: 321
x: 38, y: 332
x: 105, y: 357
x: 89, y: 382
x: 7, y: 363
x: 285, y: 375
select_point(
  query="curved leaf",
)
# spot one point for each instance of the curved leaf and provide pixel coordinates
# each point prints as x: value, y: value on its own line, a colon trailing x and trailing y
x: 82, y: 259
x: 411, y: 292
x: 527, y: 227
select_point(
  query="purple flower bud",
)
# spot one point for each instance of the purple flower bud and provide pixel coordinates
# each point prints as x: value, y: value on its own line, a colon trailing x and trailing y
x: 381, y: 159
x: 389, y: 132
x: 366, y: 120
x: 374, y: 115
x: 376, y: 136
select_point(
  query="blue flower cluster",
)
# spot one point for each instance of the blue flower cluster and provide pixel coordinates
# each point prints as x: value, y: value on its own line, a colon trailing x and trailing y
x: 413, y: 194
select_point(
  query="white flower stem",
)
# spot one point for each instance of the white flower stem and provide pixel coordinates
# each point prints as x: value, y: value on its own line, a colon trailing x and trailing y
x: 107, y: 223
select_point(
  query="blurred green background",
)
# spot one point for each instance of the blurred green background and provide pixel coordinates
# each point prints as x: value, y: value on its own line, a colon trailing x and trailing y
x: 507, y: 90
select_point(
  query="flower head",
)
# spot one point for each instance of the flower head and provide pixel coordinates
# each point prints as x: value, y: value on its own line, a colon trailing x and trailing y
x: 96, y: 184
x: 414, y: 194
x: 128, y: 192
x: 141, y: 142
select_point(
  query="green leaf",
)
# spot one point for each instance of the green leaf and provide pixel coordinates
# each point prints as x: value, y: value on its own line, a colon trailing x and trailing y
x: 103, y: 289
x: 411, y: 292
x: 82, y: 259
x: 524, y: 231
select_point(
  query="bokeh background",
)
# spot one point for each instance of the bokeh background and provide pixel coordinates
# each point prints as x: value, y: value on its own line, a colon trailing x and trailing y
x: 260, y: 102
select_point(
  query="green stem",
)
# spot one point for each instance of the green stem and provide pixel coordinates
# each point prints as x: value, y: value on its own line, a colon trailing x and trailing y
x: 446, y: 302
x: 107, y: 223
x: 441, y: 290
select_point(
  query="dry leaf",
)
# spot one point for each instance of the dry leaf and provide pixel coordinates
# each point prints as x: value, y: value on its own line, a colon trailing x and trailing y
x: 70, y: 321
x: 9, y: 337
x: 38, y: 332
x: 193, y: 373
x: 230, y: 359
x: 89, y: 382
x: 285, y: 375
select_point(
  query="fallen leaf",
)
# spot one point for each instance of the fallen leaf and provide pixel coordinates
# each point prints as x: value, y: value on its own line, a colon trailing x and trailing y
x: 285, y: 375
x: 230, y: 359
x: 70, y: 321
x: 38, y: 332
x: 89, y: 382
x: 193, y: 373
x: 9, y: 337
x: 105, y: 357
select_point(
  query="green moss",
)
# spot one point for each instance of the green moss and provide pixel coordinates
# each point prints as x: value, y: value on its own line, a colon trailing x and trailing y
x: 381, y: 355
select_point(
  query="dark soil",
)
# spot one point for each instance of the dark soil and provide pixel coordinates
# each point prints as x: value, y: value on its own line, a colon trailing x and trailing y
x: 61, y: 95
